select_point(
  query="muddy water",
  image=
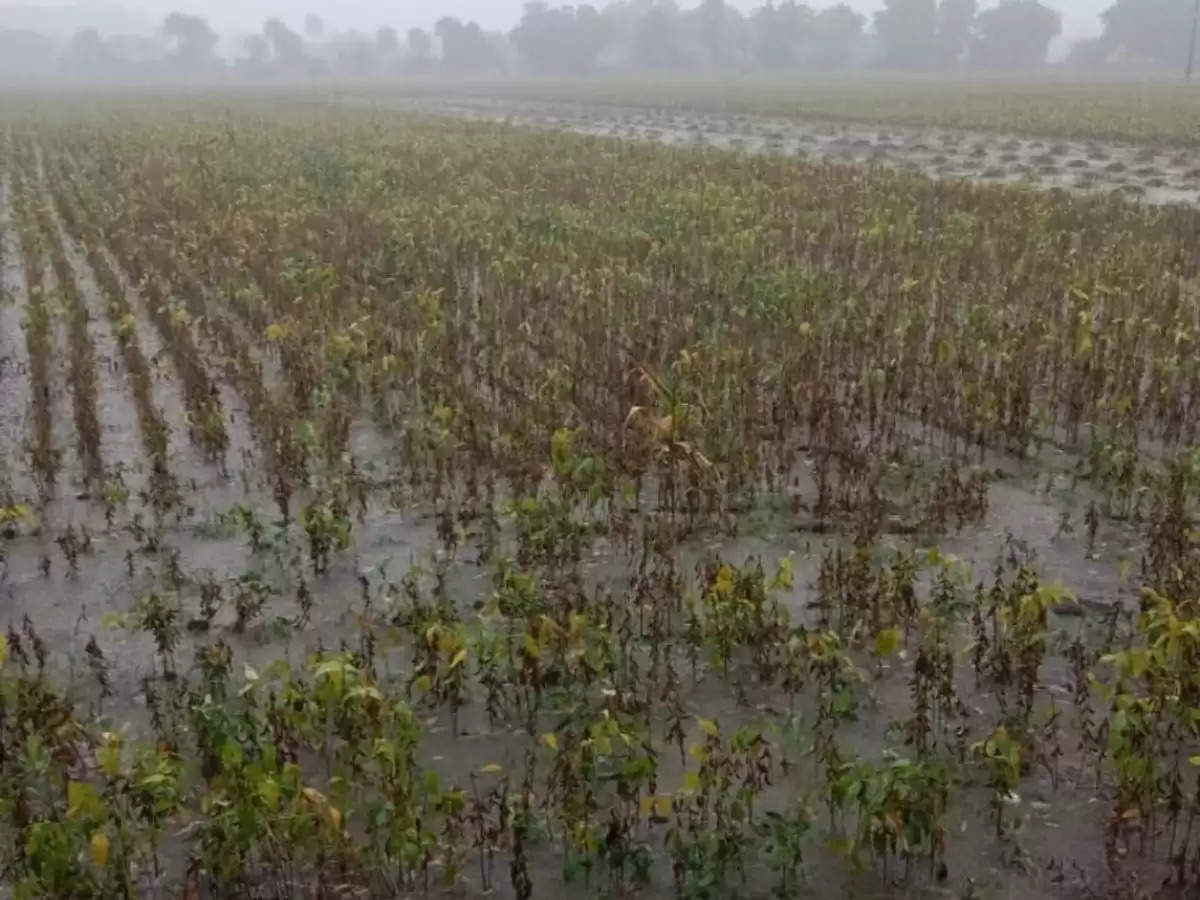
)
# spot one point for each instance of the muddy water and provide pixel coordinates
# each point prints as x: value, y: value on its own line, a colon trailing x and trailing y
x: 14, y: 357
x: 120, y: 443
x: 209, y: 490
x: 1062, y: 822
x: 71, y: 504
x: 1157, y: 175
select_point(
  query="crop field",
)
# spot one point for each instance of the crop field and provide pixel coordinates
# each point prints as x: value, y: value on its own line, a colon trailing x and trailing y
x: 1153, y: 173
x: 1155, y: 111
x: 398, y: 505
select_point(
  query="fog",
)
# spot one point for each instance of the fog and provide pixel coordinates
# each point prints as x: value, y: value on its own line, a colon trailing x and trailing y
x: 1080, y: 17
x: 274, y: 39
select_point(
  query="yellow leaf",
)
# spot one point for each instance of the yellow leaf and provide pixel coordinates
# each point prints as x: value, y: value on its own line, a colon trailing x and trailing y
x: 724, y: 582
x: 315, y: 797
x: 657, y: 806
x: 887, y: 642
x: 98, y: 847
x: 491, y: 769
x: 109, y: 756
x: 551, y: 741
x: 459, y: 658
x: 1126, y: 569
x: 708, y: 726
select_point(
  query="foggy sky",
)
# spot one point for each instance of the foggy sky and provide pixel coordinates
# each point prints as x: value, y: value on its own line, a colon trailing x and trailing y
x: 1079, y: 16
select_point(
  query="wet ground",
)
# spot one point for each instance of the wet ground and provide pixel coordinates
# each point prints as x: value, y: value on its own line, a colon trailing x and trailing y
x: 1158, y: 174
x: 1035, y: 511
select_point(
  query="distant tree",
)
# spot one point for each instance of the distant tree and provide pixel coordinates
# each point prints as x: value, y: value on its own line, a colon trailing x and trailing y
x: 713, y: 19
x: 418, y: 50
x: 192, y: 42
x: 780, y: 31
x: 387, y: 42
x: 1015, y: 34
x: 314, y: 26
x: 420, y: 44
x: 1150, y: 31
x: 356, y: 54
x: 658, y: 38
x: 257, y: 61
x: 559, y: 39
x: 955, y: 21
x: 87, y: 54
x: 286, y: 45
x: 135, y: 51
x: 1088, y: 53
x: 907, y: 32
x: 465, y: 47
x: 592, y: 33
x: 835, y: 30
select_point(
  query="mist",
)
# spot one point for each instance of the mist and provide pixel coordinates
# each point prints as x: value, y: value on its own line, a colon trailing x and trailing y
x: 1079, y: 16
x: 269, y: 40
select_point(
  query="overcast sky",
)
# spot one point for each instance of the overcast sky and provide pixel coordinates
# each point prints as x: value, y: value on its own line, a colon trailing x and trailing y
x: 1079, y: 16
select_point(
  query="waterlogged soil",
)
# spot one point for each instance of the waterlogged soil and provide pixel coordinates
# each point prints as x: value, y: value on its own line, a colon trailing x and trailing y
x: 1035, y: 513
x: 14, y: 360
x: 1061, y: 816
x: 1153, y: 174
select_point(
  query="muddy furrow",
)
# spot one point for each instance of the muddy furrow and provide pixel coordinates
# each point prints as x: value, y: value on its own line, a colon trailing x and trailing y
x: 77, y: 349
x: 191, y: 465
x: 14, y: 356
x: 243, y: 390
x: 116, y: 411
x: 206, y: 422
x: 69, y: 505
x: 38, y: 325
x: 158, y: 403
x: 197, y: 399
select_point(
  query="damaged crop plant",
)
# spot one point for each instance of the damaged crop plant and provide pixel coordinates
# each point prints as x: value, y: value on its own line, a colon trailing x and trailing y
x: 400, y: 506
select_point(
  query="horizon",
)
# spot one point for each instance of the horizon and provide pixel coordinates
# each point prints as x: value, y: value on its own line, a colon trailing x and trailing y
x: 229, y: 17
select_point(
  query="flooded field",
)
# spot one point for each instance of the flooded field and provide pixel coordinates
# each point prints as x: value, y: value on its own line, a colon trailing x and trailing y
x: 1158, y: 174
x: 396, y: 504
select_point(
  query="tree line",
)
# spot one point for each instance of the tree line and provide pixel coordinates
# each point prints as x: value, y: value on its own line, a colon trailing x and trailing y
x: 632, y: 35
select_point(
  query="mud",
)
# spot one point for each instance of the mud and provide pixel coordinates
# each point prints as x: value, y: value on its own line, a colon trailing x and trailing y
x: 14, y: 358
